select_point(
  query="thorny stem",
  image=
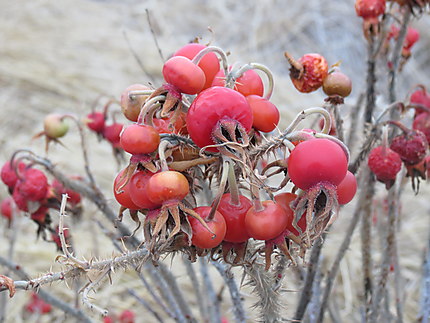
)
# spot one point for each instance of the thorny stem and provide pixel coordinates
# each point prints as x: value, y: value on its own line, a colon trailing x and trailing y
x: 61, y: 229
x: 363, y: 198
x: 92, y: 286
x: 196, y: 286
x: 213, y: 306
x: 352, y: 138
x: 46, y: 296
x: 371, y: 80
x: 396, y: 56
x: 306, y: 294
x: 212, y: 49
x: 227, y: 275
x: 387, y: 255
x: 366, y: 245
x: 261, y: 67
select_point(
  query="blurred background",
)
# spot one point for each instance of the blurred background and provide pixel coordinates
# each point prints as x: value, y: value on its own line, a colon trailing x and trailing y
x: 59, y: 56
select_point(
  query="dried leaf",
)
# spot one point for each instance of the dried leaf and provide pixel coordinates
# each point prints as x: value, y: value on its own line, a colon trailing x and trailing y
x: 9, y: 284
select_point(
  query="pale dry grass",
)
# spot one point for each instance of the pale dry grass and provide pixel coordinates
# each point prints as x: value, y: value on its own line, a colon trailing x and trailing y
x: 60, y: 55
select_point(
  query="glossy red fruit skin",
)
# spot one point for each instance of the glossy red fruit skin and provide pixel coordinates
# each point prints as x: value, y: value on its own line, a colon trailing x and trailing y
x: 284, y: 200
x: 346, y: 189
x: 213, y: 105
x: 422, y: 123
x: 127, y: 316
x: 412, y: 147
x: 369, y: 8
x: 265, y: 113
x: 6, y: 207
x: 315, y: 69
x: 139, y: 139
x: 209, y: 63
x: 138, y: 190
x: 267, y: 223
x: 8, y: 174
x: 34, y: 185
x: 96, y: 121
x: 123, y: 197
x: 202, y: 238
x: 234, y: 216
x: 384, y: 163
x: 184, y: 75
x: 249, y: 83
x: 315, y: 161
x: 167, y: 186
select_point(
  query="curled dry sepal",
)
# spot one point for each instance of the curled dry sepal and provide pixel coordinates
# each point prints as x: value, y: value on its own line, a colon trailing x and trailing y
x: 8, y: 283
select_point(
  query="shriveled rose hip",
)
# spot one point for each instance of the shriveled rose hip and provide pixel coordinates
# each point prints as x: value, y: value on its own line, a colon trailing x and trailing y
x: 385, y: 164
x: 308, y: 73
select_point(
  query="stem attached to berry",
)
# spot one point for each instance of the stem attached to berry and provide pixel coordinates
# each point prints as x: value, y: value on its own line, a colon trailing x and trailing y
x: 232, y: 183
x: 164, y: 144
x: 133, y: 94
x: 302, y: 115
x: 222, y: 182
x: 147, y: 106
x: 212, y: 49
x: 256, y: 66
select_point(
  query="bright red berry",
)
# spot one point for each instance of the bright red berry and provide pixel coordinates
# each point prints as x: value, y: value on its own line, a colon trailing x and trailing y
x: 184, y: 75
x: 139, y: 139
x: 249, y: 83
x: 112, y: 133
x: 127, y: 316
x: 8, y: 174
x: 346, y: 189
x: 209, y: 63
x: 265, y: 113
x: 315, y: 161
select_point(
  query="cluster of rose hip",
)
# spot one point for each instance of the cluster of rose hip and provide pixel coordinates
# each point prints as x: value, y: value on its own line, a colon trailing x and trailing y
x: 206, y: 124
x: 410, y: 147
x: 32, y: 193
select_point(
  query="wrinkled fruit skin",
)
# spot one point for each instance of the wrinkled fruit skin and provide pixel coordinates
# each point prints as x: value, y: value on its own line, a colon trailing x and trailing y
x: 411, y: 147
x: 34, y: 185
x: 315, y: 70
x: 384, y: 164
